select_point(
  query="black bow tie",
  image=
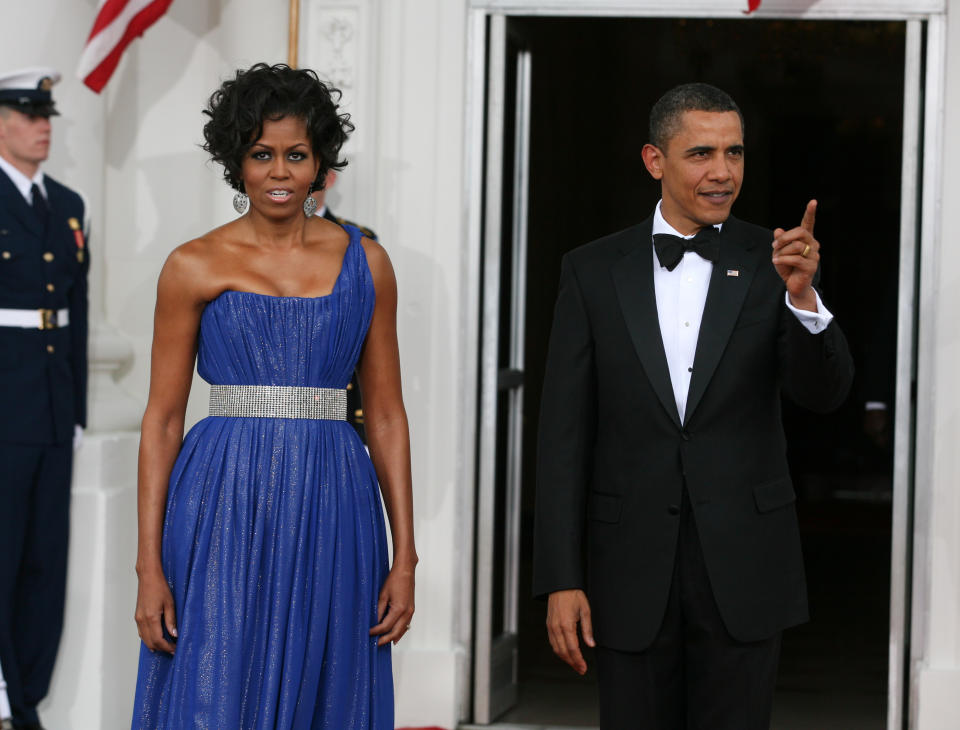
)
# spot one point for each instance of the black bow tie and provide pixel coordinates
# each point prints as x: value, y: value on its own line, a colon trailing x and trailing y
x: 670, y: 248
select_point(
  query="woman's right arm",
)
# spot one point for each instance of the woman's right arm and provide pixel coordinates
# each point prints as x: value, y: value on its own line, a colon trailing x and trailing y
x: 175, y: 326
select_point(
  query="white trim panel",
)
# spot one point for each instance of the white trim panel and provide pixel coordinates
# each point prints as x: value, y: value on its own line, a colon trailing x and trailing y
x: 470, y: 282
x: 825, y: 9
x: 926, y: 441
x: 903, y: 428
x: 484, y: 693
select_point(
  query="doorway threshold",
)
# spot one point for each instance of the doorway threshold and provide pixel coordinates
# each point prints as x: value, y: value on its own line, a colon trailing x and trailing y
x: 523, y: 726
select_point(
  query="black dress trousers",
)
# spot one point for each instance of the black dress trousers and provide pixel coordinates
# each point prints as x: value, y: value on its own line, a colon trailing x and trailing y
x: 34, y: 532
x: 694, y: 676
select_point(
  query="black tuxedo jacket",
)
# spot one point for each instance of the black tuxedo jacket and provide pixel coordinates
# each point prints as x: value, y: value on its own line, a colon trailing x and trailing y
x: 43, y: 373
x: 614, y: 454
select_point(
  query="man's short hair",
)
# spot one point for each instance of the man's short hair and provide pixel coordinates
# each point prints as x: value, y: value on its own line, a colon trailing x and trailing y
x: 666, y: 114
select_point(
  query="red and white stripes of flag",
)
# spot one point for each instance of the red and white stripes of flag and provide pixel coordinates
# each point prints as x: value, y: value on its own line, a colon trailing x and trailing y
x: 118, y: 23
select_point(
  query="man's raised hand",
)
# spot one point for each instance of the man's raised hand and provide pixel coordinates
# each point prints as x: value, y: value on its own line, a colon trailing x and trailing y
x: 796, y: 256
x: 565, y: 609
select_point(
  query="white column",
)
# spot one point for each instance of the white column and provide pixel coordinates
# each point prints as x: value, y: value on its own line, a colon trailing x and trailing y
x: 94, y: 679
x: 417, y: 186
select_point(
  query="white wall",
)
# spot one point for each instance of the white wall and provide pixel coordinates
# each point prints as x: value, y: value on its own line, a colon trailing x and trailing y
x: 27, y: 38
x: 418, y: 189
x: 135, y: 152
x: 160, y: 187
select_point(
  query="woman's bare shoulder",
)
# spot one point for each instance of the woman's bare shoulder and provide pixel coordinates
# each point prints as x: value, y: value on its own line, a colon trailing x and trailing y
x: 323, y: 233
x: 377, y: 257
x: 381, y: 270
x: 191, y: 267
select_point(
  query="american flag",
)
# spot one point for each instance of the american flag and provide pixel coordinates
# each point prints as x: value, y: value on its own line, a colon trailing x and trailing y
x: 118, y: 23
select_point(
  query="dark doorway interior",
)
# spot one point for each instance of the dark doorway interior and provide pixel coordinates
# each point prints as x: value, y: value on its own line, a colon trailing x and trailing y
x: 823, y: 108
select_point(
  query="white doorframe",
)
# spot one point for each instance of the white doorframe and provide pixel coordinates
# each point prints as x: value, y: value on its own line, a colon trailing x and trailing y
x: 929, y: 244
x: 915, y: 350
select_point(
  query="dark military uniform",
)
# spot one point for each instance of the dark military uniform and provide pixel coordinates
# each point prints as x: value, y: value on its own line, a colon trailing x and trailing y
x: 43, y: 375
x: 354, y: 404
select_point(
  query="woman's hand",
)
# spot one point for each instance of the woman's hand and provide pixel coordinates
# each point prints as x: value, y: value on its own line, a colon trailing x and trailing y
x: 395, y: 607
x: 154, y: 610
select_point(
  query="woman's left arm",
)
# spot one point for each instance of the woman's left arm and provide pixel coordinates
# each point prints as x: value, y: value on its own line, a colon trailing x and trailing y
x: 388, y: 436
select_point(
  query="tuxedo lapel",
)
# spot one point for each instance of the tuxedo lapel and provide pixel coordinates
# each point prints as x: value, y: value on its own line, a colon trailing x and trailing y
x: 11, y: 198
x: 633, y: 280
x: 729, y: 284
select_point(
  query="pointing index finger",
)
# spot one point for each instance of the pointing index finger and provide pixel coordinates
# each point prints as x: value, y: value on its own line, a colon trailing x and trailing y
x: 809, y: 216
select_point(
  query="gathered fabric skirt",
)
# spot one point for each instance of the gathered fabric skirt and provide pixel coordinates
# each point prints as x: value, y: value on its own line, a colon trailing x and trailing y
x: 274, y: 547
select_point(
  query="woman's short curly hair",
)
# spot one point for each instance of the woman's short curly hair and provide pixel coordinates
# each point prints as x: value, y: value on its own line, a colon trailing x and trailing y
x: 241, y: 105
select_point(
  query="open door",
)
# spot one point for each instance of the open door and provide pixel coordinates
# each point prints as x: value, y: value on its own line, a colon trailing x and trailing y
x: 502, y: 374
x: 602, y: 191
x: 904, y: 430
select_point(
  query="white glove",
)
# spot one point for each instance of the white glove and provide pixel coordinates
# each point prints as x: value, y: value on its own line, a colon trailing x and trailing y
x: 77, y: 436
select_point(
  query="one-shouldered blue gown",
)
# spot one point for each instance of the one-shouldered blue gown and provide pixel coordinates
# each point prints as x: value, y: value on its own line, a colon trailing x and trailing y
x: 274, y: 541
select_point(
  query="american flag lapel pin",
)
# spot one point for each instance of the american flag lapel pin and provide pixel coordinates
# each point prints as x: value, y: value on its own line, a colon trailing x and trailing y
x: 733, y: 272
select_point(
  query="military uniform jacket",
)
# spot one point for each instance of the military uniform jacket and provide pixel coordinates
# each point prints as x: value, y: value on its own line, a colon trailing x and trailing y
x: 43, y: 265
x: 615, y: 456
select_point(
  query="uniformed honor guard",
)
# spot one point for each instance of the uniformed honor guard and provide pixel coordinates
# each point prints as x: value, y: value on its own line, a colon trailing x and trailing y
x: 43, y: 377
x: 354, y: 404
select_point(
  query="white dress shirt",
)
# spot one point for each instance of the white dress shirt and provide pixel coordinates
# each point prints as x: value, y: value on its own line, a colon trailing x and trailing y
x: 681, y: 296
x: 22, y: 182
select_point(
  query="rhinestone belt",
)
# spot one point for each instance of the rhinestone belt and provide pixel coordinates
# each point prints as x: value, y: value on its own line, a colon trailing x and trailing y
x: 278, y: 401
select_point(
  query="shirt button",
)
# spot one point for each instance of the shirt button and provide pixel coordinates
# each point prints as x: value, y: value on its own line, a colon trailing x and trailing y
x: 48, y: 257
x: 686, y: 324
x: 50, y: 287
x: 50, y: 349
x: 689, y: 279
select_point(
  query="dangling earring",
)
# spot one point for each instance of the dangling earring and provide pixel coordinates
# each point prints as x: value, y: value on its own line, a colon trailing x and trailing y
x: 240, y: 203
x: 310, y: 204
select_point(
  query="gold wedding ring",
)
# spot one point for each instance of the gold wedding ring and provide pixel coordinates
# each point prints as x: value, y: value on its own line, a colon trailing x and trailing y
x: 806, y: 250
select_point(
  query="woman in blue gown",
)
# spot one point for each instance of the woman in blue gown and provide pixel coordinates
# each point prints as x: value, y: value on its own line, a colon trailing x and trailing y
x: 265, y: 598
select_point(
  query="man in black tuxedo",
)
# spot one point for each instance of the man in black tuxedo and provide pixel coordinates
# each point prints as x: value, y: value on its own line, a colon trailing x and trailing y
x: 665, y: 523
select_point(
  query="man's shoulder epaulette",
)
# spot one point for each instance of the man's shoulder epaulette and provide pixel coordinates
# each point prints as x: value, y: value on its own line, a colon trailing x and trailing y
x: 363, y: 229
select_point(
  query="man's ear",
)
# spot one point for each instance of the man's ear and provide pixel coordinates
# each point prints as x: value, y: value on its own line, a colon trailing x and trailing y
x: 653, y: 159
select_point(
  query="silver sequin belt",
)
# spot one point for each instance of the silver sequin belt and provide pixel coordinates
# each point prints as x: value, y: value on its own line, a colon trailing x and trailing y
x: 278, y: 401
